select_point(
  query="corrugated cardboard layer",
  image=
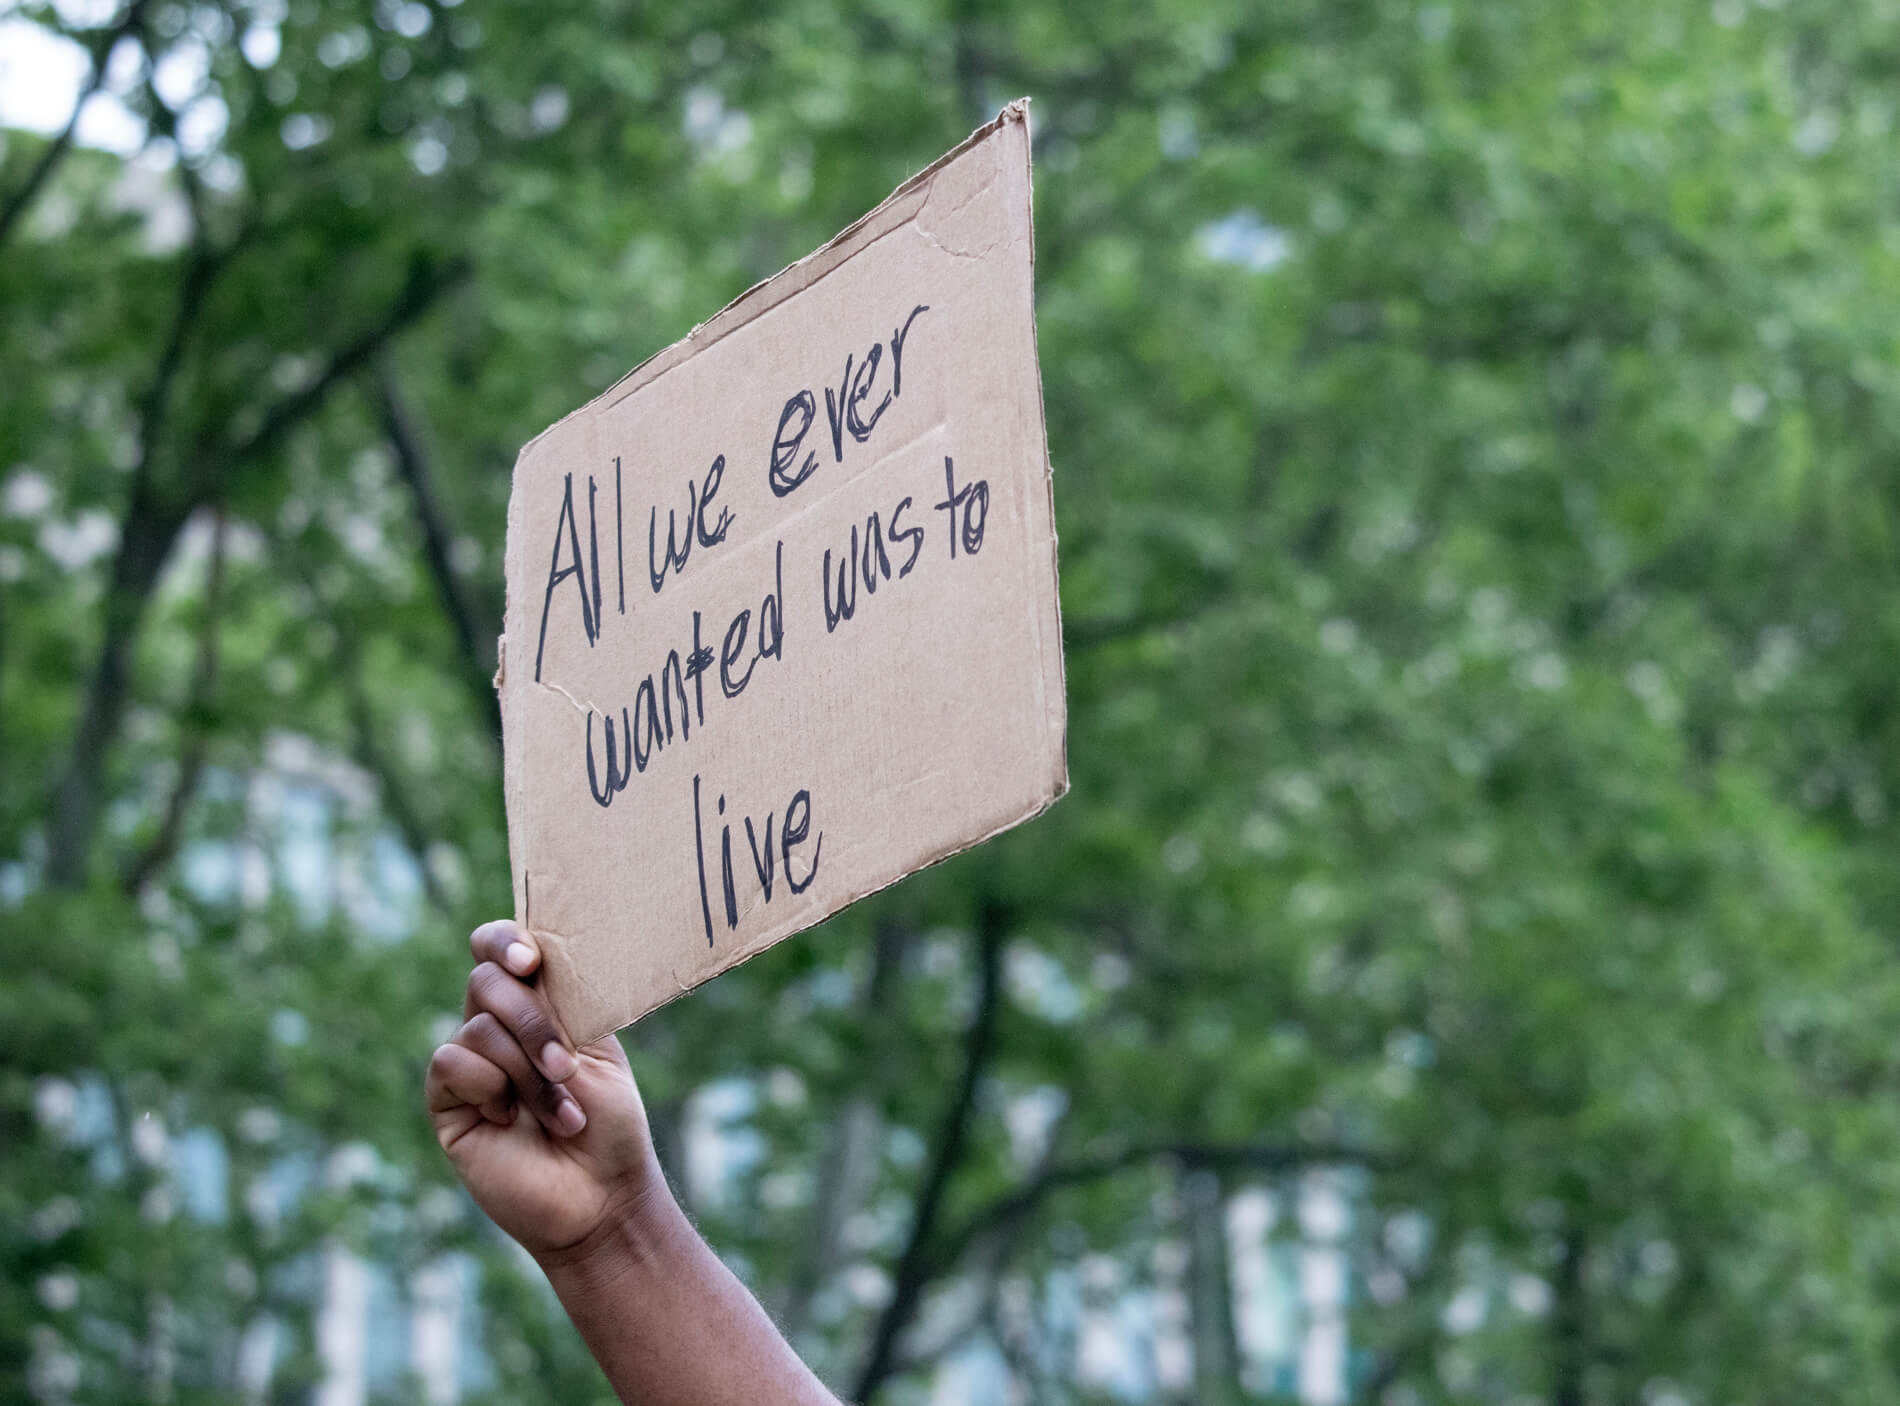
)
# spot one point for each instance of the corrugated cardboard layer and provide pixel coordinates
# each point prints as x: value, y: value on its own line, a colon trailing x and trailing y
x: 878, y: 403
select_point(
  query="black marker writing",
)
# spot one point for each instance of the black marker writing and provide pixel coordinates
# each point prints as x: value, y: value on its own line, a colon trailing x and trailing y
x: 699, y: 852
x: 897, y: 348
x: 616, y: 775
x: 725, y: 867
x: 714, y: 477
x: 558, y: 573
x: 913, y: 535
x: 793, y: 832
x: 974, y: 500
x: 860, y: 390
x: 794, y: 829
x: 834, y: 412
x: 761, y: 866
x: 867, y: 560
x: 593, y: 549
x: 677, y: 549
x: 669, y: 704
x: 785, y: 449
x: 847, y: 605
x: 846, y: 411
x: 679, y: 544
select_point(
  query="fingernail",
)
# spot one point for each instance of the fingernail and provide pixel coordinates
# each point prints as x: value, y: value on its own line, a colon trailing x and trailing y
x: 556, y: 1061
x: 519, y: 957
x: 569, y: 1118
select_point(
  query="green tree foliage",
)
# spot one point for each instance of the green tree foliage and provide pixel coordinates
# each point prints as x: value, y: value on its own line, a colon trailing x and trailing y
x: 1475, y: 429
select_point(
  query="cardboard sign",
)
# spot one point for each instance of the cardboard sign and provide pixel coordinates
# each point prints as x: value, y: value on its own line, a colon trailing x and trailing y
x: 782, y: 622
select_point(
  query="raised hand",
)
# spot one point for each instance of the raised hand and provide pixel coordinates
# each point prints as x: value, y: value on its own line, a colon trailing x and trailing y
x: 551, y: 1141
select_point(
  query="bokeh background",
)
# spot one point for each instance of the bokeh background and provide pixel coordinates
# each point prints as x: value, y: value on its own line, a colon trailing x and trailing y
x: 1465, y: 968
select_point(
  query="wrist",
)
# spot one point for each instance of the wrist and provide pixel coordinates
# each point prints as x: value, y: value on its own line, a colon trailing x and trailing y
x: 640, y: 1229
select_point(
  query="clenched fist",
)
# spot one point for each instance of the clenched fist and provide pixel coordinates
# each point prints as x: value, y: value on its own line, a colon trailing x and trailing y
x: 551, y: 1141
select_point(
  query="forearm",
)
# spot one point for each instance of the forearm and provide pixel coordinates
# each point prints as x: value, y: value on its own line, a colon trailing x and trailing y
x: 668, y: 1322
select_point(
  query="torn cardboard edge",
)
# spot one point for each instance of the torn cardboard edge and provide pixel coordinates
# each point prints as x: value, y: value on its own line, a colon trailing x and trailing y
x: 592, y: 1008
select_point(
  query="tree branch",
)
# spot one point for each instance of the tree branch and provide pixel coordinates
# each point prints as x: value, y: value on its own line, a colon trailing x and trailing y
x: 914, y: 1265
x: 419, y: 293
x: 850, y: 1151
x: 1210, y: 1289
x: 1569, y: 1332
x: 150, y: 528
x: 17, y: 203
x: 346, y: 656
x: 475, y: 627
x: 1006, y: 1210
x: 197, y: 725
x: 1025, y: 1372
x: 1412, y: 1345
x: 369, y: 756
x: 146, y: 535
x: 953, y: 1335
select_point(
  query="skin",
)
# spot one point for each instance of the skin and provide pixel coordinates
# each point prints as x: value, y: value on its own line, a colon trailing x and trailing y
x: 553, y: 1144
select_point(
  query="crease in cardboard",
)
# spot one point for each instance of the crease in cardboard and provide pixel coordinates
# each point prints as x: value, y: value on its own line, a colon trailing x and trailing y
x: 933, y: 223
x: 929, y: 778
x: 809, y: 872
x: 734, y: 550
x: 579, y: 705
x: 788, y: 526
x: 938, y: 244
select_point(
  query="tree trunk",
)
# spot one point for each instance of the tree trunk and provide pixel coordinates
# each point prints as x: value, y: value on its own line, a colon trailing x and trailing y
x: 151, y: 527
x: 1568, y: 1327
x: 913, y: 1266
x: 1210, y: 1290
x: 850, y: 1156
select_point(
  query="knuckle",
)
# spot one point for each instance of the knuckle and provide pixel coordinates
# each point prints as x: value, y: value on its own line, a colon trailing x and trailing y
x: 535, y: 1027
x: 484, y: 981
